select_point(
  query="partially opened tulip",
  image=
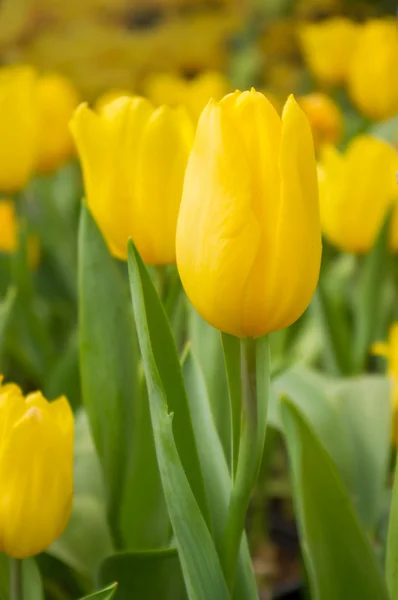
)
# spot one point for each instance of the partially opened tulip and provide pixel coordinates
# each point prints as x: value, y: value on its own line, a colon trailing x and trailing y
x: 134, y: 158
x: 57, y: 100
x: 389, y: 350
x: 248, y: 234
x: 36, y: 474
x: 18, y: 127
x: 324, y: 117
x: 357, y: 188
x: 327, y: 48
x: 371, y: 83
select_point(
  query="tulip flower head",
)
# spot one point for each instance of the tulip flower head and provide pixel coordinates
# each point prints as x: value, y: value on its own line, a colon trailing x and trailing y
x: 134, y: 158
x: 248, y: 233
x: 57, y: 100
x: 18, y: 127
x: 357, y: 188
x: 389, y: 350
x: 36, y: 473
x: 372, y: 76
x: 327, y: 48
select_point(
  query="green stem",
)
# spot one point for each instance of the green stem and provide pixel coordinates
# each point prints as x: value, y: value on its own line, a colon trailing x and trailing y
x: 255, y: 368
x: 231, y: 347
x: 16, y: 589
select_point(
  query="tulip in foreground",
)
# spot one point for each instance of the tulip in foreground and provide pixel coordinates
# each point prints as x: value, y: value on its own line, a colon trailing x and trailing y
x: 248, y: 234
x: 134, y: 158
x: 36, y: 447
x: 357, y: 188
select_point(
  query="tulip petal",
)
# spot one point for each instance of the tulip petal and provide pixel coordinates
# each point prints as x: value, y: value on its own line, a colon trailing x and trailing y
x: 164, y: 150
x: 297, y: 254
x: 218, y: 235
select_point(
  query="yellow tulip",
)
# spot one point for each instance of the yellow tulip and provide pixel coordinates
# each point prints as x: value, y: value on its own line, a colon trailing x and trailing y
x: 8, y: 227
x: 327, y: 48
x: 36, y: 473
x: 110, y: 96
x: 389, y: 350
x: 324, y: 117
x: 133, y: 158
x: 57, y: 100
x: 18, y: 127
x: 163, y: 88
x: 357, y: 188
x: 374, y: 65
x: 248, y: 233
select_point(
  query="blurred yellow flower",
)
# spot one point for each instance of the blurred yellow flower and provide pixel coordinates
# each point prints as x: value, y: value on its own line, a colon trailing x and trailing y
x: 134, y: 158
x: 8, y: 227
x: 194, y: 94
x: 248, y: 233
x: 57, y: 100
x: 324, y: 117
x: 389, y: 350
x: 372, y: 80
x: 18, y: 127
x: 357, y: 188
x: 110, y: 96
x: 36, y: 470
x: 327, y: 47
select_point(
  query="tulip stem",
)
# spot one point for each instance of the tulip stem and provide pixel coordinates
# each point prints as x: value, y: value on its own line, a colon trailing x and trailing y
x: 231, y: 347
x: 16, y: 588
x: 255, y: 369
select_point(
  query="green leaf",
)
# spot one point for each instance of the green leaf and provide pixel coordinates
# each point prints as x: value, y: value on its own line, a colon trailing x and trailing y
x: 368, y: 296
x: 339, y: 559
x: 215, y: 470
x: 360, y: 410
x: 6, y: 307
x: 144, y: 575
x: 185, y: 498
x: 109, y: 366
x: 32, y: 583
x: 392, y: 542
x: 105, y: 594
x: 335, y: 329
x: 207, y: 347
x: 86, y: 540
x: 153, y: 322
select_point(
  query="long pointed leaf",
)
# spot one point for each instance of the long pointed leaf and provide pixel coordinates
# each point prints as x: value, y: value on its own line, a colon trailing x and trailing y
x: 200, y: 564
x: 339, y: 558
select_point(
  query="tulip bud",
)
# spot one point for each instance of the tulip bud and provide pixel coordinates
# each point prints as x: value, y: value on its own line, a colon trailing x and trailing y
x: 36, y: 474
x: 389, y: 350
x: 57, y: 99
x: 374, y: 65
x: 248, y: 233
x: 134, y: 158
x: 194, y: 94
x: 327, y: 48
x: 18, y: 127
x: 324, y: 117
x: 357, y: 188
